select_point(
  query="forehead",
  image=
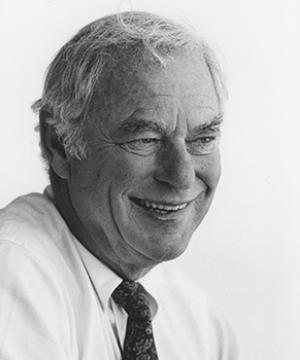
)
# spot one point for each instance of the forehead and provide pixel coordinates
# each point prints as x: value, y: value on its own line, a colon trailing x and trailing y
x: 183, y: 86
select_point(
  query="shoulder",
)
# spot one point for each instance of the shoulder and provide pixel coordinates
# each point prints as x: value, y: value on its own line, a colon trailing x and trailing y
x: 29, y: 217
x: 34, y: 236
x: 32, y: 298
x: 33, y: 223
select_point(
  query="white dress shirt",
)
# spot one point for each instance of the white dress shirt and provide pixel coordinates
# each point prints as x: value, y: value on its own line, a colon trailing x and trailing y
x: 55, y: 297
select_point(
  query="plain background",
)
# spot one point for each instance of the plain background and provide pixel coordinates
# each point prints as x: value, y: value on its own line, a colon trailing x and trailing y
x: 246, y: 253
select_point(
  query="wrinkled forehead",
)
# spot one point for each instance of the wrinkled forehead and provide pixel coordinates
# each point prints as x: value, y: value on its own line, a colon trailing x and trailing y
x: 184, y: 78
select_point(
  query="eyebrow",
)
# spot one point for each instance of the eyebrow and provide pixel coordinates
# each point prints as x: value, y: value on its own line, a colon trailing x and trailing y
x: 209, y: 125
x: 135, y: 126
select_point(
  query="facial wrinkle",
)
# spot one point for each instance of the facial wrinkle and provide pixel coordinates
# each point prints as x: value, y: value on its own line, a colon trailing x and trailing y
x: 157, y: 95
x: 118, y: 228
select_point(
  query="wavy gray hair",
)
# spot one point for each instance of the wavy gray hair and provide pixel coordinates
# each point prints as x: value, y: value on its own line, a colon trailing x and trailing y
x: 76, y: 70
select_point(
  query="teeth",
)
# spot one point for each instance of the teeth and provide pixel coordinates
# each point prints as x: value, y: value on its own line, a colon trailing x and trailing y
x: 156, y: 206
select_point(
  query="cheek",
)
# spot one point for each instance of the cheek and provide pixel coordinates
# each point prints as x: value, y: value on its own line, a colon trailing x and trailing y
x: 215, y: 167
x: 131, y: 168
x: 115, y: 166
x: 208, y: 168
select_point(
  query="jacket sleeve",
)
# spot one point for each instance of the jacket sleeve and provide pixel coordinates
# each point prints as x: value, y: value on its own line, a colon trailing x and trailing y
x: 31, y: 308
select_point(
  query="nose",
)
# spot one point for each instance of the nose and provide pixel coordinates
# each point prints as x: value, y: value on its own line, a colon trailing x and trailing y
x: 175, y: 167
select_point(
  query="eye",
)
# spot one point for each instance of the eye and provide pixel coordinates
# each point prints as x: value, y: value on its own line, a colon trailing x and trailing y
x: 203, y: 145
x: 143, y: 146
x: 145, y: 141
x: 207, y: 139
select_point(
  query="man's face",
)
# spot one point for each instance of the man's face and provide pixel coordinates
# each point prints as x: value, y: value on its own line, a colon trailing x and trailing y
x: 153, y: 163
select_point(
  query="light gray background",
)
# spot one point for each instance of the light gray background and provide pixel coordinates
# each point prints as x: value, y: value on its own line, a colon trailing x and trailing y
x: 246, y: 253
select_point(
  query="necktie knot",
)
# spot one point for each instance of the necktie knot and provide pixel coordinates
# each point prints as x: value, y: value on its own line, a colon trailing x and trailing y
x: 135, y: 300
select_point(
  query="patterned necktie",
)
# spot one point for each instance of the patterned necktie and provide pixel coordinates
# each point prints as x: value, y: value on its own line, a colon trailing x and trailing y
x: 139, y: 341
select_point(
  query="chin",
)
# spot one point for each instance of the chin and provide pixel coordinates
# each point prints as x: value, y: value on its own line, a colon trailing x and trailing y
x: 171, y: 251
x: 175, y: 252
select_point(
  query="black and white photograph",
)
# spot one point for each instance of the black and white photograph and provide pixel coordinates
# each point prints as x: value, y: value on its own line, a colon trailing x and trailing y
x: 149, y: 180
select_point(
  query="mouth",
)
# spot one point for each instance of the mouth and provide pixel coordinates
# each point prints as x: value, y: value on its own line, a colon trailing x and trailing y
x: 160, y: 208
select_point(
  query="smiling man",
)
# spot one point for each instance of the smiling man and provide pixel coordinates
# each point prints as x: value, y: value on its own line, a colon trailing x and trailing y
x: 130, y: 123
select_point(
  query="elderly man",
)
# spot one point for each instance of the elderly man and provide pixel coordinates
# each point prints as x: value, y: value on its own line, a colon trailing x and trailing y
x: 129, y: 123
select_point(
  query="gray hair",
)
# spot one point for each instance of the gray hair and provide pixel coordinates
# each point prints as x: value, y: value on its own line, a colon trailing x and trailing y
x: 74, y: 73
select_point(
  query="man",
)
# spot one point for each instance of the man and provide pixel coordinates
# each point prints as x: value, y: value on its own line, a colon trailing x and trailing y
x: 129, y: 122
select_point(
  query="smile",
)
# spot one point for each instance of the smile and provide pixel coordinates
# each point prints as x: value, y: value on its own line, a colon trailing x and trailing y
x: 160, y: 207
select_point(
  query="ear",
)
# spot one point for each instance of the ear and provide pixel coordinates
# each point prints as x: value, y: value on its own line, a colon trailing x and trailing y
x: 52, y: 147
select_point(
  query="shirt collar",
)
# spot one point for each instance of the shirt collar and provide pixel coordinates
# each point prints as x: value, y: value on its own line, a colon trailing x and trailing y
x: 103, y: 278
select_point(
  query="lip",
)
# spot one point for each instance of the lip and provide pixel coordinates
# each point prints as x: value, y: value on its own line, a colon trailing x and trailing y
x: 162, y: 210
